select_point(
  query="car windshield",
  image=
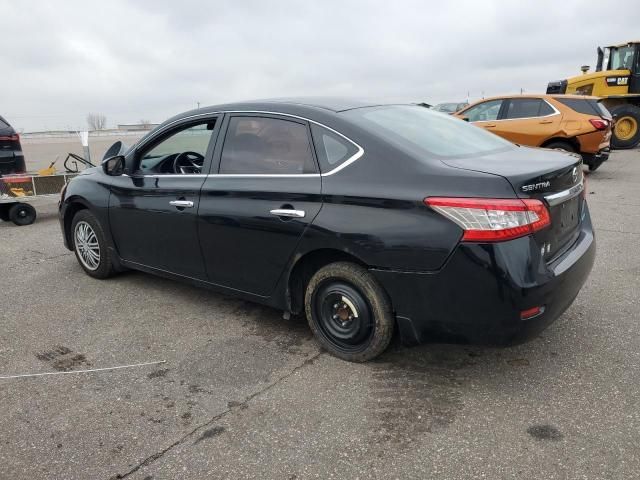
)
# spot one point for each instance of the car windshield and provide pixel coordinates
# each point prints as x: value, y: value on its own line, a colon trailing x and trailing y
x: 446, y: 107
x: 421, y: 131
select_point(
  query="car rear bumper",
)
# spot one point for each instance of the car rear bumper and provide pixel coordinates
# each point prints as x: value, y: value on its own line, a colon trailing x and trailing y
x: 11, y: 162
x: 594, y: 159
x: 479, y: 294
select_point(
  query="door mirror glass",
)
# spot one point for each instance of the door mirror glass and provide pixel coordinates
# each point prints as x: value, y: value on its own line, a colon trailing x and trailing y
x: 113, y: 166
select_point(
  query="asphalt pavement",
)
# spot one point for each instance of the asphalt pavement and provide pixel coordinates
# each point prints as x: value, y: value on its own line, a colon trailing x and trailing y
x: 243, y: 393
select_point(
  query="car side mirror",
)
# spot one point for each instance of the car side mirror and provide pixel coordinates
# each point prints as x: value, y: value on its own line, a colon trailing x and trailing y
x: 113, y: 166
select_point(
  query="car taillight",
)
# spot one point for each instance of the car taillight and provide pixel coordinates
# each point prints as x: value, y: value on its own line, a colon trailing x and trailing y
x: 492, y: 220
x: 12, y: 138
x: 599, y: 124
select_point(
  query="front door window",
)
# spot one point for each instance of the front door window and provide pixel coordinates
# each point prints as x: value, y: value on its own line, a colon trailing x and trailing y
x: 484, y: 112
x: 182, y: 152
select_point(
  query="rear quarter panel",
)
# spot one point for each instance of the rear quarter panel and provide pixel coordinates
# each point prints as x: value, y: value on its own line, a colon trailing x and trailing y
x: 373, y: 209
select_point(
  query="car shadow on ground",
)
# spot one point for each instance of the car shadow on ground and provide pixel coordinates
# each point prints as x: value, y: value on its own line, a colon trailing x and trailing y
x: 436, y: 357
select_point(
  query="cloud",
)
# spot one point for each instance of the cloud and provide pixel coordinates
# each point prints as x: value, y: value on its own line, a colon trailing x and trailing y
x: 152, y: 59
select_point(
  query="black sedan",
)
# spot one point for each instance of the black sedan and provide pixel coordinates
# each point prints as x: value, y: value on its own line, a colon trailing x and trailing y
x: 370, y: 219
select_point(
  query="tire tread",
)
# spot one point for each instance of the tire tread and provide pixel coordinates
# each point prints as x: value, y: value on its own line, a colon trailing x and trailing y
x: 375, y: 294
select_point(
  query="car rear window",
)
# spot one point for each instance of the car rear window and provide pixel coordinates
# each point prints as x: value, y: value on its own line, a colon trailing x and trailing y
x: 423, y: 132
x: 586, y: 106
x: 332, y: 149
x: 3, y: 123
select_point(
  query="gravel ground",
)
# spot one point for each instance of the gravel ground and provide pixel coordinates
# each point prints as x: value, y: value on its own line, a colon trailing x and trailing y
x: 246, y: 394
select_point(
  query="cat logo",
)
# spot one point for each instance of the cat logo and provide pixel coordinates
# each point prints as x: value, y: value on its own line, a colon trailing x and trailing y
x: 617, y: 81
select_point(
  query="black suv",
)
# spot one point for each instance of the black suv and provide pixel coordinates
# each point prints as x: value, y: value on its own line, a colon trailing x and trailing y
x: 11, y: 157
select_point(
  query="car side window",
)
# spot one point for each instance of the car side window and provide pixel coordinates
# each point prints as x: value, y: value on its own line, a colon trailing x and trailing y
x: 182, y: 152
x: 524, y: 108
x: 483, y: 112
x: 332, y: 149
x: 545, y: 109
x: 264, y: 145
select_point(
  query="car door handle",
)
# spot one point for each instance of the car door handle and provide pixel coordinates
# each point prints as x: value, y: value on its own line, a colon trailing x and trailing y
x: 288, y: 212
x: 546, y: 121
x: 181, y: 203
x: 490, y: 125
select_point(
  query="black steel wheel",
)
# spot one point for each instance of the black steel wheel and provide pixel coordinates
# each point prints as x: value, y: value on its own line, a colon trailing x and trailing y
x: 349, y: 312
x: 22, y: 214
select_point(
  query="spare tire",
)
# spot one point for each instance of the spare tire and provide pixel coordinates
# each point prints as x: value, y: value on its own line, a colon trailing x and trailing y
x: 626, y: 131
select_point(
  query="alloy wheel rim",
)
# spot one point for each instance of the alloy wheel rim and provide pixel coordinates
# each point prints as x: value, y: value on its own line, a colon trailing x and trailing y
x: 626, y: 128
x: 344, y: 317
x: 87, y: 245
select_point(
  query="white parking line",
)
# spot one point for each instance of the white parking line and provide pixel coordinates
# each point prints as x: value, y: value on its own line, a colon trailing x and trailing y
x: 81, y: 371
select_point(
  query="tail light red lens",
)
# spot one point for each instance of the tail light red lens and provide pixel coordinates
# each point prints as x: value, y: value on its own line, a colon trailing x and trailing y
x: 598, y: 123
x: 531, y: 312
x: 492, y: 220
x: 11, y: 138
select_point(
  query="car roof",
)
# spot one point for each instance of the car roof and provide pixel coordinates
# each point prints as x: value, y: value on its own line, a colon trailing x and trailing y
x: 333, y: 104
x: 312, y: 108
x: 536, y: 95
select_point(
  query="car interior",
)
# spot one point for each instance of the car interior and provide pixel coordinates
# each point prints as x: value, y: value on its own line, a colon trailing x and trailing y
x: 181, y: 153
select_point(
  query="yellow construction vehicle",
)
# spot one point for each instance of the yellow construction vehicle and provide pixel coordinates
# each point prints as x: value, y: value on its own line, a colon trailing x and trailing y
x: 617, y: 80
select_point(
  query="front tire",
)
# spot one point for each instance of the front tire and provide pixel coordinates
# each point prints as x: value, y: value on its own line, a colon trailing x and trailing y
x: 349, y: 312
x: 626, y: 131
x: 90, y: 245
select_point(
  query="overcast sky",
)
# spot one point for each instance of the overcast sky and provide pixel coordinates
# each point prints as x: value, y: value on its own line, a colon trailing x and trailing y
x: 151, y: 59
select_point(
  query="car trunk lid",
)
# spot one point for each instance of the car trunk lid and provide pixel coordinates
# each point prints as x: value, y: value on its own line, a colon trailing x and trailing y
x: 553, y: 177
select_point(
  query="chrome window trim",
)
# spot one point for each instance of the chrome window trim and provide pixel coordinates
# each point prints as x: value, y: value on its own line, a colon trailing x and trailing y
x: 226, y: 175
x: 344, y: 164
x: 558, y: 198
x: 168, y: 175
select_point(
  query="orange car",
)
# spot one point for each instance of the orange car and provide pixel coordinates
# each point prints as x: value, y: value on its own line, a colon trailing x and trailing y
x: 575, y: 123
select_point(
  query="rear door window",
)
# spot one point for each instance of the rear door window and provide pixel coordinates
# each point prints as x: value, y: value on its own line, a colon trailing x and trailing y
x: 332, y: 149
x: 524, y: 108
x: 545, y: 109
x: 265, y: 145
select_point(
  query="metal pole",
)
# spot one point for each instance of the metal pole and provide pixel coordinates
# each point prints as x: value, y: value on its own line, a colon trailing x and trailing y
x: 84, y: 139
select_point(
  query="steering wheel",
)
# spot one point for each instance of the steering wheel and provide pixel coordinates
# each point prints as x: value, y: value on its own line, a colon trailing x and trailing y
x: 188, y: 162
